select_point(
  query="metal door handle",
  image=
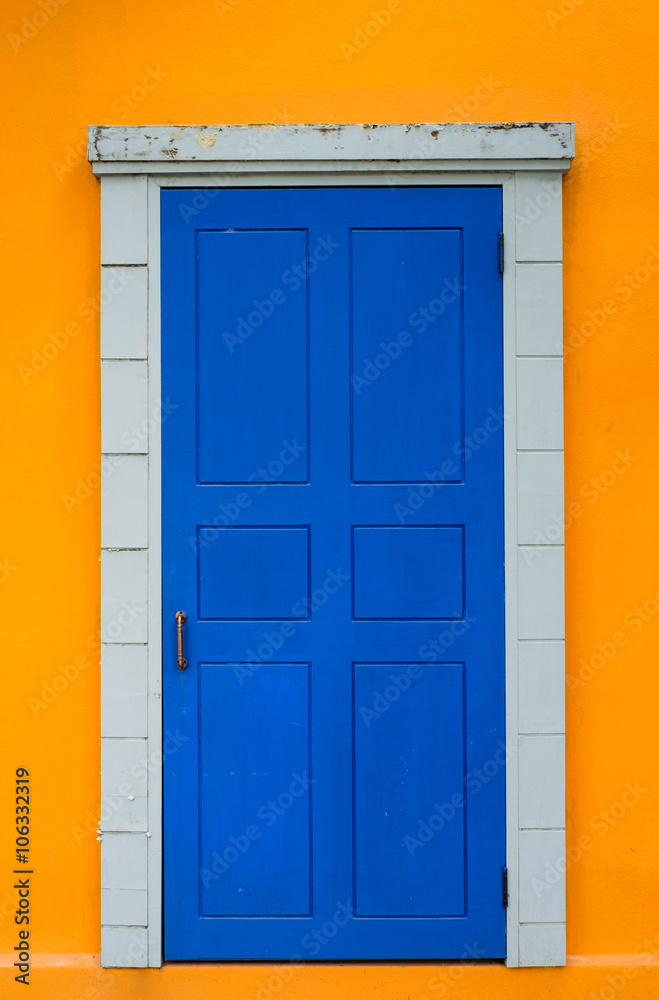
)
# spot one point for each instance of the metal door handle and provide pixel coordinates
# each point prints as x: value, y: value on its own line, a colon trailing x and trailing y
x: 181, y: 617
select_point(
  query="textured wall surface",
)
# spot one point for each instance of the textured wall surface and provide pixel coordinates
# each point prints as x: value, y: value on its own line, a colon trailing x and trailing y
x: 67, y: 65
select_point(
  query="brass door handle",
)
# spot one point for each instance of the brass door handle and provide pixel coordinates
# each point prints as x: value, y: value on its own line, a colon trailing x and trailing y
x: 181, y: 617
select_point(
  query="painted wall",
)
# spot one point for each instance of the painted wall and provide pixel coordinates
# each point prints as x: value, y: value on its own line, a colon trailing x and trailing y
x: 67, y: 64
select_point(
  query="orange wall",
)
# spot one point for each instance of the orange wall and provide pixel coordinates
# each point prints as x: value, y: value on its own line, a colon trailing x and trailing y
x: 117, y: 62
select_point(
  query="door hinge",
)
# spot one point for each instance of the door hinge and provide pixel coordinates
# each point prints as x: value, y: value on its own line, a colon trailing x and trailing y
x: 505, y: 888
x: 501, y: 253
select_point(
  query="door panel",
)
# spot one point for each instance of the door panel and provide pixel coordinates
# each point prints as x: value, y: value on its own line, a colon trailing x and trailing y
x: 394, y: 772
x: 403, y: 422
x: 407, y: 572
x: 269, y: 816
x: 261, y: 394
x: 252, y: 590
x: 333, y: 528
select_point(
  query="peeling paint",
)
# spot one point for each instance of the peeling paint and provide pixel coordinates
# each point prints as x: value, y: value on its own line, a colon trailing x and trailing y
x: 152, y: 143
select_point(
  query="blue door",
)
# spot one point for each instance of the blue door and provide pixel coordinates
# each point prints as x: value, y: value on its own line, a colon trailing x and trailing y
x: 332, y: 475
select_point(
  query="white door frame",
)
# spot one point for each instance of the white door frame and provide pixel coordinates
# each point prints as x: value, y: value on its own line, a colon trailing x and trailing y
x: 527, y: 161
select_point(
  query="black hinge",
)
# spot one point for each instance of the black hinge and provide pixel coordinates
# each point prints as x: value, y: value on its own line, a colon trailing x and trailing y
x: 501, y: 253
x: 505, y: 888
